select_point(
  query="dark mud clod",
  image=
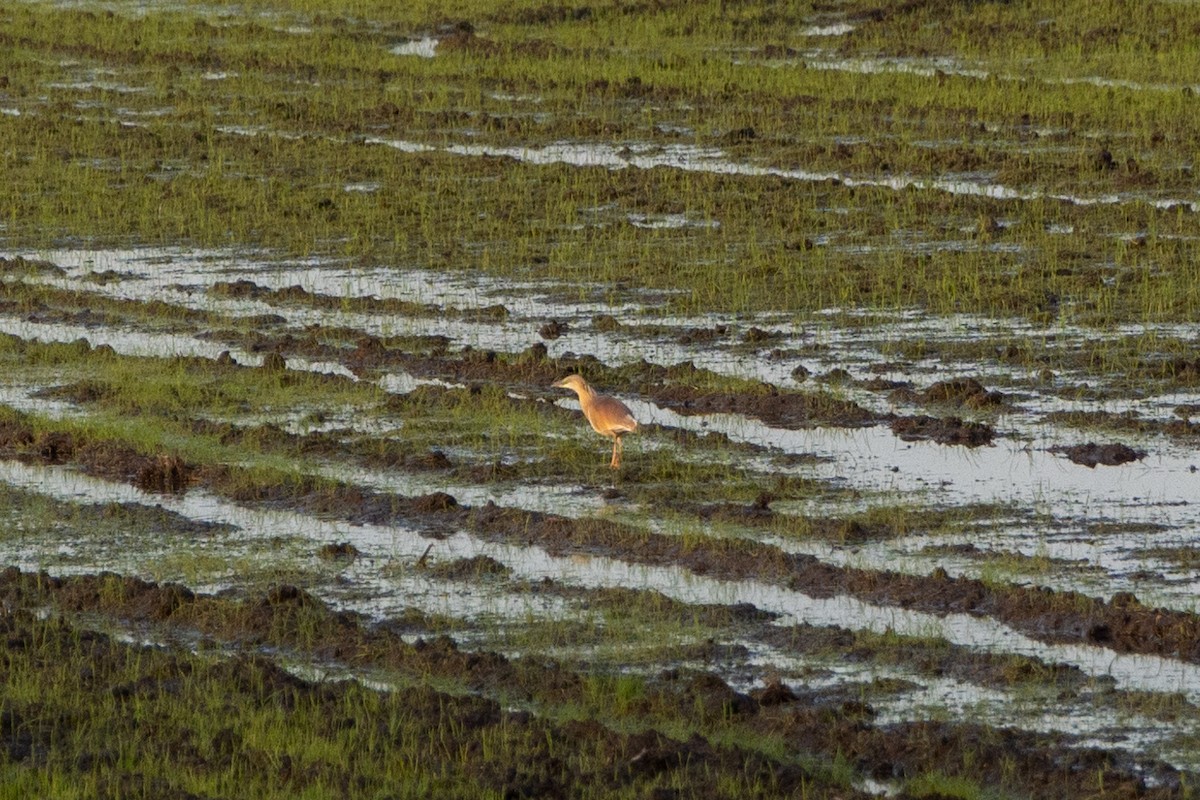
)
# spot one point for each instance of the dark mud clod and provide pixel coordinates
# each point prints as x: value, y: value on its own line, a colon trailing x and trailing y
x: 1103, y: 161
x: 756, y: 335
x: 837, y: 375
x: 746, y: 134
x: 432, y: 460
x: 775, y: 693
x: 702, y: 335
x: 55, y: 447
x: 537, y: 352
x: 287, y: 595
x: 713, y: 697
x: 553, y: 329
x: 1092, y: 454
x: 948, y: 430
x: 436, y: 501
x: 467, y: 568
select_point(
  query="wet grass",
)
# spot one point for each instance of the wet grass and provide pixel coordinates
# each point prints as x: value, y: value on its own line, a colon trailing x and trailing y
x: 149, y: 454
x: 192, y: 173
x: 188, y: 408
x: 66, y: 536
x: 626, y: 702
x: 234, y: 724
x: 700, y: 553
x: 188, y: 697
x: 743, y: 163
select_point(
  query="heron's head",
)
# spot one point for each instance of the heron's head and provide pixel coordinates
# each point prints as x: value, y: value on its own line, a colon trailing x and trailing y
x: 575, y: 383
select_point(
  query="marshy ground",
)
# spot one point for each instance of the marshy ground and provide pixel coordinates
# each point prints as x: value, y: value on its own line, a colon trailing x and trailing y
x: 902, y: 295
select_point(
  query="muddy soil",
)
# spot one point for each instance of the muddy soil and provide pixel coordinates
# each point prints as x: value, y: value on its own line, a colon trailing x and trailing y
x: 286, y: 617
x: 776, y: 408
x: 1123, y: 624
x: 941, y: 244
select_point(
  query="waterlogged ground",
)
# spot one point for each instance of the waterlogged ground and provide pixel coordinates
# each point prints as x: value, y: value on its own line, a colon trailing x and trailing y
x: 902, y: 297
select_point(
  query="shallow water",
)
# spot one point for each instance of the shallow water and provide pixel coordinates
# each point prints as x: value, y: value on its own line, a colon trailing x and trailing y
x: 424, y: 48
x: 1148, y: 673
x: 183, y: 277
x: 157, y: 345
x: 1069, y: 499
x: 1076, y: 512
x: 691, y: 158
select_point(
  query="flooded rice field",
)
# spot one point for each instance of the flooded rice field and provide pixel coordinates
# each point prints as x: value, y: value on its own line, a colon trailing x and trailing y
x: 907, y: 324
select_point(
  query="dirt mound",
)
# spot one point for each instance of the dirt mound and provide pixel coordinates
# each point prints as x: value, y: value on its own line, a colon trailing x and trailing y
x: 287, y: 595
x: 161, y: 473
x: 757, y: 335
x: 433, y: 502
x: 104, y: 591
x: 1091, y: 454
x: 702, y: 335
x: 945, y: 430
x: 553, y: 329
x: 80, y: 393
x: 774, y: 693
x: 605, y: 322
x: 966, y: 392
x: 758, y: 511
x: 712, y: 698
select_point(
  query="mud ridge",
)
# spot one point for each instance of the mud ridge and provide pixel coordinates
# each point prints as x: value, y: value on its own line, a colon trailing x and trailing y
x: 679, y: 387
x: 1123, y: 624
x: 1039, y: 765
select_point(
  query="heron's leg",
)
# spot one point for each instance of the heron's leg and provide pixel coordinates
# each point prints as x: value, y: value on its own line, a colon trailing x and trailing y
x: 616, y: 459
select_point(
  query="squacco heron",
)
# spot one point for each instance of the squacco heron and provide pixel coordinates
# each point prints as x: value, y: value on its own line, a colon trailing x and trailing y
x: 607, y: 415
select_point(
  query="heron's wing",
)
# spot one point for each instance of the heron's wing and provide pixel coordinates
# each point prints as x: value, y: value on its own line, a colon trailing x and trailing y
x: 610, y: 416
